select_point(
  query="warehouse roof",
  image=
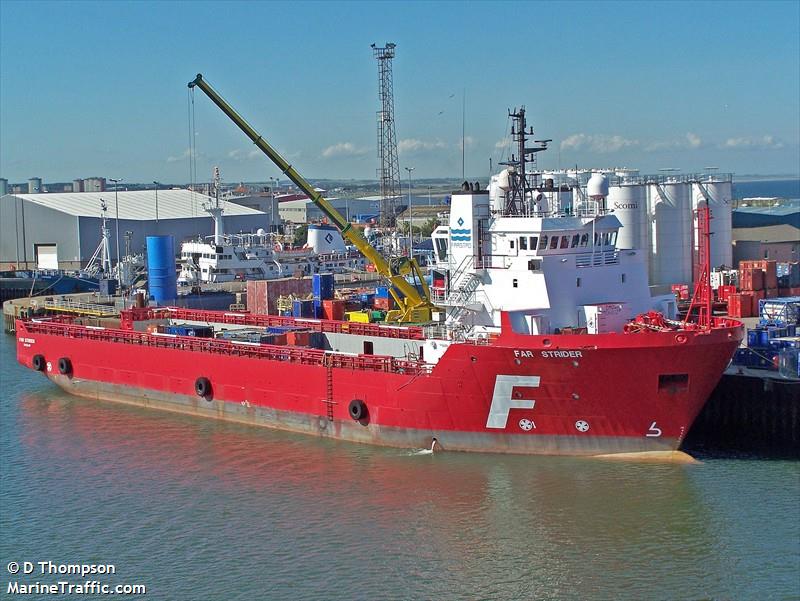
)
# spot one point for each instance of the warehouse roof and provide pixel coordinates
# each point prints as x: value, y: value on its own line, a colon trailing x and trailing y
x: 770, y: 233
x: 136, y: 205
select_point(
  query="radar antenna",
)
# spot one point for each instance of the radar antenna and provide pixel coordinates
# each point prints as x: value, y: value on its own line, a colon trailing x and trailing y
x: 520, y: 187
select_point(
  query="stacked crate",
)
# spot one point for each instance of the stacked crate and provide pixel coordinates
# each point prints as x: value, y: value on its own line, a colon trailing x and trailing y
x: 322, y: 290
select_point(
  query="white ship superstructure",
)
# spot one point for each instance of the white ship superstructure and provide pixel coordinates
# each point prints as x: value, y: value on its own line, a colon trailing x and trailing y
x: 227, y: 257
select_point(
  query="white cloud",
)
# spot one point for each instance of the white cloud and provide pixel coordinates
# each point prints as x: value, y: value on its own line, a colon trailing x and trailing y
x: 693, y: 140
x: 469, y: 142
x: 343, y: 149
x: 184, y: 155
x: 749, y: 142
x: 501, y: 144
x: 688, y: 142
x: 412, y: 145
x: 597, y: 143
x: 239, y: 154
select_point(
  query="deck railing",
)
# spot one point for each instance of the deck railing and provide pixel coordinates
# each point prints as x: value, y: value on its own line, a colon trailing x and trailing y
x: 300, y: 355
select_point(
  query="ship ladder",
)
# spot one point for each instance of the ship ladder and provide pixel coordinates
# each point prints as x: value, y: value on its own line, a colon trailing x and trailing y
x: 329, y: 402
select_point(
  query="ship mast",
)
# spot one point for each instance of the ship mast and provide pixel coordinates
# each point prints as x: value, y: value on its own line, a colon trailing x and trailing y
x: 216, y: 210
x: 520, y: 187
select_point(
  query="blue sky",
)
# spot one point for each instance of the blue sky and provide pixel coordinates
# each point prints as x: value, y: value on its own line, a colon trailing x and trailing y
x: 100, y: 88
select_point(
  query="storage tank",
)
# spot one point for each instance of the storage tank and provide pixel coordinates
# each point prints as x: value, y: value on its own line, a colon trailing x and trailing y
x: 671, y: 238
x: 629, y: 203
x: 162, y: 280
x: 34, y: 185
x: 718, y: 191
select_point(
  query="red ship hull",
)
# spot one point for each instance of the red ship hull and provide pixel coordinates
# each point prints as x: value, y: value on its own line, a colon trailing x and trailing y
x: 558, y: 395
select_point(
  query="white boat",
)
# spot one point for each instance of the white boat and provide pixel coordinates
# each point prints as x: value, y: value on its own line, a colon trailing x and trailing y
x: 260, y: 256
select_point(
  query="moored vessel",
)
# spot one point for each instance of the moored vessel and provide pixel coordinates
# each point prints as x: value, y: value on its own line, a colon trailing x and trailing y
x: 538, y: 336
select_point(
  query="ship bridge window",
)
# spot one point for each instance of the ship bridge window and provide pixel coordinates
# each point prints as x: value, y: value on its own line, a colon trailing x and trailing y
x: 523, y: 243
x: 673, y: 383
x: 564, y: 241
x: 511, y: 242
x: 584, y: 239
x: 534, y: 242
x: 543, y: 243
x: 575, y: 241
x: 553, y: 242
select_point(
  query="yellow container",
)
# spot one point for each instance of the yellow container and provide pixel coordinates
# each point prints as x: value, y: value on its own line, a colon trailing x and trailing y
x: 357, y: 316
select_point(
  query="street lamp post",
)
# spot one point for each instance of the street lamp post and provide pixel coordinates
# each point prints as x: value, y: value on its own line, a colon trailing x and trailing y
x: 157, y: 184
x: 272, y: 204
x: 116, y: 220
x: 410, y: 216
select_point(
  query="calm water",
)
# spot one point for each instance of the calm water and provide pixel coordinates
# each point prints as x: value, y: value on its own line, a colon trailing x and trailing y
x: 783, y: 188
x: 196, y: 509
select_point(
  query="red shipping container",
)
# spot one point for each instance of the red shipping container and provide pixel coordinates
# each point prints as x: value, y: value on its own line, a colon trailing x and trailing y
x: 384, y: 304
x: 771, y: 293
x: 681, y: 291
x: 740, y: 305
x: 724, y: 291
x: 751, y: 278
x: 795, y: 291
x: 783, y: 292
x: 757, y: 296
x: 298, y: 338
x: 333, y: 309
x: 770, y: 274
x: 262, y: 295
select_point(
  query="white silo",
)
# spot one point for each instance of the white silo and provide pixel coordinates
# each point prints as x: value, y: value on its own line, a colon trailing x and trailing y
x: 629, y: 203
x: 77, y: 185
x: 671, y: 238
x: 34, y: 185
x: 717, y: 190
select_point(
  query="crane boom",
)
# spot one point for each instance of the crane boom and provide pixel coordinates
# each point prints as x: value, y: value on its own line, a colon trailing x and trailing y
x: 415, y: 306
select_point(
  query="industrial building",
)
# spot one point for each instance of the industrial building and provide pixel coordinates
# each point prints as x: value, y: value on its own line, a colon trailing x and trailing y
x: 775, y: 242
x: 63, y: 230
x: 298, y: 208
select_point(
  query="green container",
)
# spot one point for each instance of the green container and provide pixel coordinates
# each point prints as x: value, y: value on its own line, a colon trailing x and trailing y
x: 377, y: 315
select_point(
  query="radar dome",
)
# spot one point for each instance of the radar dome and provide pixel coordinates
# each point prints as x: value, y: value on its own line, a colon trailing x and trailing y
x: 261, y: 231
x: 597, y: 187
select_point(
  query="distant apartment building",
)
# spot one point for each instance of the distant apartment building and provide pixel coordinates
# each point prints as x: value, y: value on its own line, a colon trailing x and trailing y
x: 94, y: 184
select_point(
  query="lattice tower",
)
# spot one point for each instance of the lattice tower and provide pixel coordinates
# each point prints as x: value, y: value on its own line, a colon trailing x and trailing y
x: 389, y: 170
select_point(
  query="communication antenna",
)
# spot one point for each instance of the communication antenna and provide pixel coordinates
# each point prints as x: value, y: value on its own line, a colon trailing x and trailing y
x: 389, y: 170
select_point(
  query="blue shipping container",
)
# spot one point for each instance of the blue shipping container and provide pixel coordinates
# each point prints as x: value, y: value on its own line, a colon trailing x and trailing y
x: 382, y: 292
x: 322, y: 286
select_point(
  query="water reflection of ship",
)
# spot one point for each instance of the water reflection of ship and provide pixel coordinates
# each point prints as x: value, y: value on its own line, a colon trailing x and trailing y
x: 476, y: 505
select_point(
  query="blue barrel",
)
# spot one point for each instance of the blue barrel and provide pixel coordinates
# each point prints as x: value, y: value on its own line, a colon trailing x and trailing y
x: 322, y: 285
x: 763, y: 337
x: 752, y: 337
x: 162, y: 280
